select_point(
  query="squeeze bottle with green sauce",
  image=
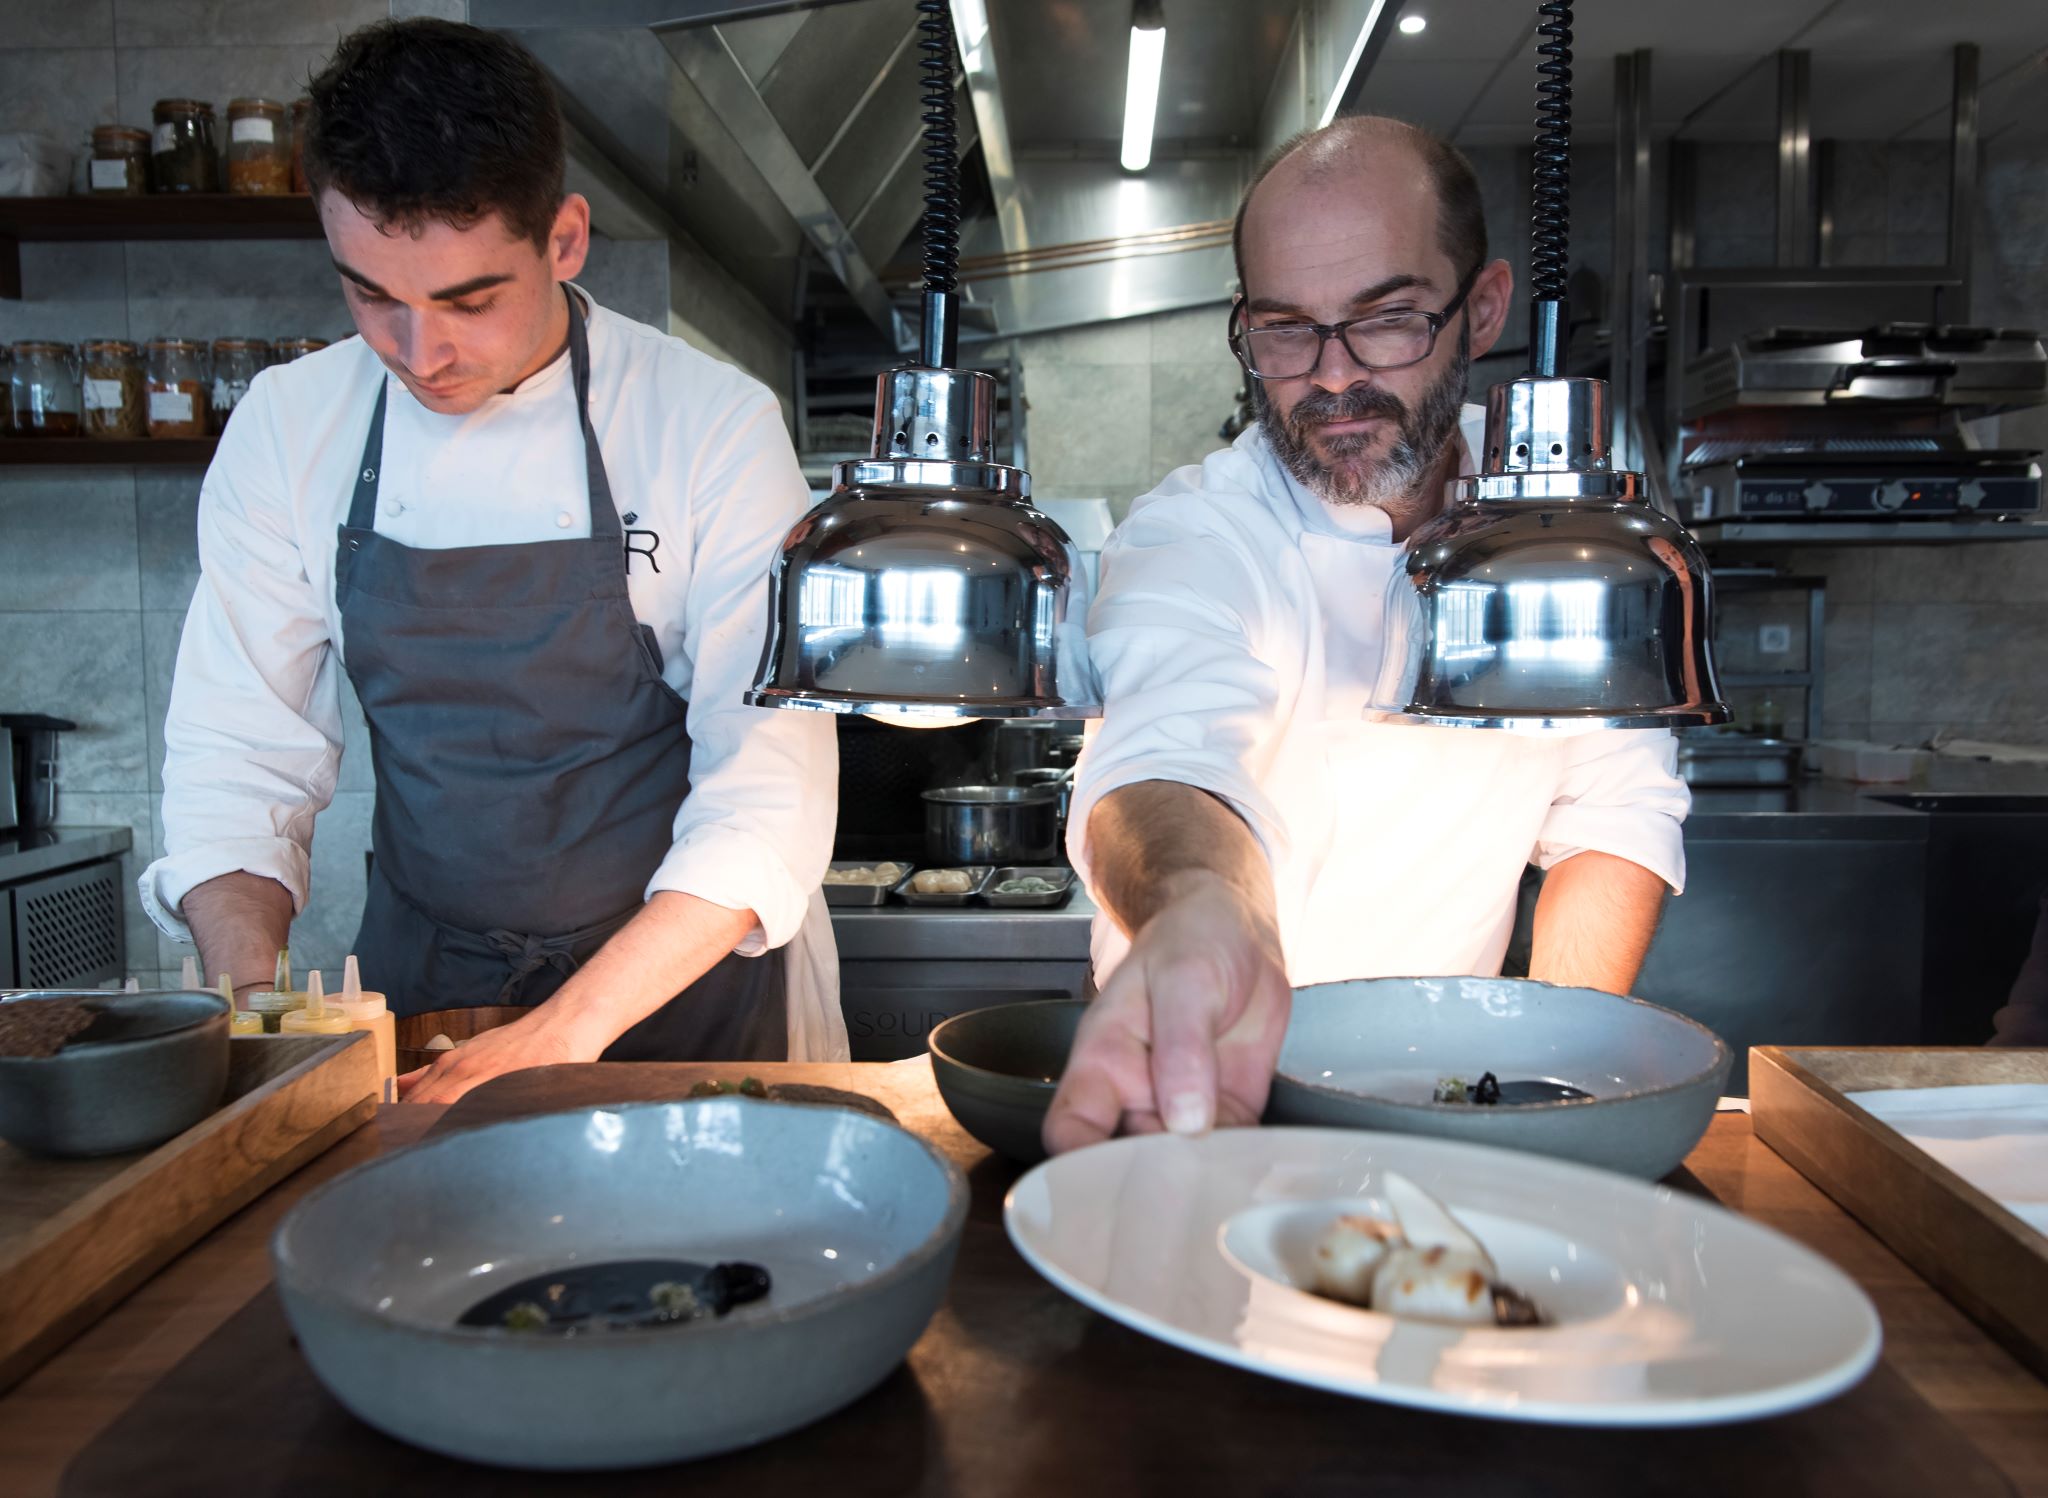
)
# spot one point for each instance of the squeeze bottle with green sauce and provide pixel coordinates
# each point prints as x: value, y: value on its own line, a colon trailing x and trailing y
x: 274, y: 1002
x: 317, y: 1016
x: 240, y: 1021
x: 368, y: 1011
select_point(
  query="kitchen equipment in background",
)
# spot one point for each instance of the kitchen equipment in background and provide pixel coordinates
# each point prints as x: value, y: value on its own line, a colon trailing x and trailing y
x: 185, y: 155
x: 1820, y: 424
x: 44, y: 389
x: 177, y: 387
x: 236, y: 361
x: 120, y: 162
x: 990, y: 824
x: 1710, y: 757
x: 114, y: 406
x: 1549, y: 596
x: 998, y: 1068
x: 148, y: 1067
x: 259, y: 150
x: 32, y: 769
x: 926, y: 587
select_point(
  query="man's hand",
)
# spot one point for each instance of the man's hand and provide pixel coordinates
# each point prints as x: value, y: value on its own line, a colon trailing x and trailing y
x: 542, y: 1038
x: 1185, y: 1035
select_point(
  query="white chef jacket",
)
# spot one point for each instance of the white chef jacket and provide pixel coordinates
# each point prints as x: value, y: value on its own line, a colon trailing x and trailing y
x: 1237, y: 635
x: 707, y: 485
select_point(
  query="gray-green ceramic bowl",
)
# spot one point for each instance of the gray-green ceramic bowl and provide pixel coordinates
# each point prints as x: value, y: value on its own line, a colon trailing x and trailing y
x: 147, y: 1069
x: 997, y: 1068
x: 1367, y: 1055
x: 856, y: 1221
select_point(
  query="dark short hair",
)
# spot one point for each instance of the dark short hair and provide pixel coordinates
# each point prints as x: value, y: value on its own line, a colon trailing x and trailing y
x: 1461, y: 216
x: 428, y: 121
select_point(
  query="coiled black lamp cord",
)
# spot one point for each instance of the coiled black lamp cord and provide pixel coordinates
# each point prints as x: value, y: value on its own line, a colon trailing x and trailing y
x: 1550, y: 213
x: 941, y: 341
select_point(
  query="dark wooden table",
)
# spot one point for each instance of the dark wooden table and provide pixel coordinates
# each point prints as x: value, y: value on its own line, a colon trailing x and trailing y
x: 191, y: 1386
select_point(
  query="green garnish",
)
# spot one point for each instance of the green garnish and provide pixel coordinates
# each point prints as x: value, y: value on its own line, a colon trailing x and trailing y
x: 525, y: 1317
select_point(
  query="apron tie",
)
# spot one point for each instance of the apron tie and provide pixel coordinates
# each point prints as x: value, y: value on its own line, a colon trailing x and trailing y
x: 528, y: 954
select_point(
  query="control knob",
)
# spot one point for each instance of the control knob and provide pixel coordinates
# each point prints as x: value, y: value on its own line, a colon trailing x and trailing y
x: 1893, y: 496
x: 1818, y: 496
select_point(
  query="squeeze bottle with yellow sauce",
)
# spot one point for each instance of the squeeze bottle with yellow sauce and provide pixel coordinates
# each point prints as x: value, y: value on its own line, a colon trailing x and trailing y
x: 240, y: 1021
x: 368, y: 1011
x: 318, y: 1017
x: 274, y: 1002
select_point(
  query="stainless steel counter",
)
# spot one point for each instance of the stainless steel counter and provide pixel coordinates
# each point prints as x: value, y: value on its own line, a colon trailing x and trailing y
x: 1812, y: 808
x: 965, y: 934
x: 61, y: 848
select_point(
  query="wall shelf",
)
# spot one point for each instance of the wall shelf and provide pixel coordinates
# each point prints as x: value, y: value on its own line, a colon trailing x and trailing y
x: 157, y: 216
x: 156, y: 452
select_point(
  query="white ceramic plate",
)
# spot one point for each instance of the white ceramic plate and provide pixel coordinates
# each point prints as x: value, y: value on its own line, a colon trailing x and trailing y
x: 1665, y: 1309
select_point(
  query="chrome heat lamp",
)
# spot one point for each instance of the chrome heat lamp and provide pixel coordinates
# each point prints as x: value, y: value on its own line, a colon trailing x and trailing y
x: 1550, y: 596
x: 925, y: 589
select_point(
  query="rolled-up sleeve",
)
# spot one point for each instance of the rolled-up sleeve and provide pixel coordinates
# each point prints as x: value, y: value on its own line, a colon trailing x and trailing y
x: 755, y: 831
x: 1620, y: 793
x: 1188, y: 696
x: 252, y: 739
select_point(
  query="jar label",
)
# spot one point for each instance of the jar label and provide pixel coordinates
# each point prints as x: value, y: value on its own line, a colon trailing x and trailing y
x: 170, y: 405
x: 102, y: 395
x: 109, y: 174
x: 166, y: 139
x: 255, y: 128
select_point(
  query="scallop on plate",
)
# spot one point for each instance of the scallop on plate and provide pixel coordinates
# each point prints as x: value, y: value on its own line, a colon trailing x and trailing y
x: 1446, y: 1276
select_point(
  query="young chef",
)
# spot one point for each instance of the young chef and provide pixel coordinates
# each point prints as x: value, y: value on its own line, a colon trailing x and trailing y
x: 534, y: 535
x: 1241, y: 825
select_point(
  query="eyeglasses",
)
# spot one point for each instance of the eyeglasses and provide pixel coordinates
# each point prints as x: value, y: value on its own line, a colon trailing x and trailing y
x: 1384, y: 340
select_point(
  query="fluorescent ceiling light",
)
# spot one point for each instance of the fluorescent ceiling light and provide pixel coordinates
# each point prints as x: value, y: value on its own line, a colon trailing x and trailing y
x: 1141, y: 95
x: 1412, y: 24
x: 1343, y: 84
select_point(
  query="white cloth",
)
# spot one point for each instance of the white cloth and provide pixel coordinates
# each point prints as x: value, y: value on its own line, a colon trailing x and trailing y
x: 707, y: 485
x: 1236, y: 635
x: 1995, y: 1137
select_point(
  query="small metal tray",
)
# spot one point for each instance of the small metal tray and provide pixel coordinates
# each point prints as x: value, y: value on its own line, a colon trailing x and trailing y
x: 864, y: 894
x: 977, y: 872
x: 1062, y: 877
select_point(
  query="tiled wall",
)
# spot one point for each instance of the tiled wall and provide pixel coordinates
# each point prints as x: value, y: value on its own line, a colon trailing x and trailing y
x: 97, y: 565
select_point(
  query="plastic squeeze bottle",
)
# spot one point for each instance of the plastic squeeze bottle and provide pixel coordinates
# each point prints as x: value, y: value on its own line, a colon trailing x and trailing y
x: 188, y: 975
x: 274, y: 1002
x: 368, y: 1011
x: 240, y: 1021
x: 317, y: 1016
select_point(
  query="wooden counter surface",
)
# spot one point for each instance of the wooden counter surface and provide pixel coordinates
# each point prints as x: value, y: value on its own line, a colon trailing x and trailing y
x: 1995, y: 1411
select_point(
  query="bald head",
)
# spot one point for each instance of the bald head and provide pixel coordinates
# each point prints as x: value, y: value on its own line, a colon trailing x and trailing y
x: 1384, y: 166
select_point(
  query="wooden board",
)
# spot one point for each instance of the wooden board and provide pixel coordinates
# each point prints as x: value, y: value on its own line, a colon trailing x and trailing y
x: 1993, y: 1265
x: 78, y: 1235
x: 1017, y: 1391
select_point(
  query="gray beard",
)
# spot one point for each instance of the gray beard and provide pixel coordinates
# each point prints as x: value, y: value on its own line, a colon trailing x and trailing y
x: 1401, y: 483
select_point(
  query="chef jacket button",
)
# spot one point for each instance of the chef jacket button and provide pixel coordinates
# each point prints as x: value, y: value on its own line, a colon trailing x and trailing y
x: 393, y: 507
x: 562, y: 519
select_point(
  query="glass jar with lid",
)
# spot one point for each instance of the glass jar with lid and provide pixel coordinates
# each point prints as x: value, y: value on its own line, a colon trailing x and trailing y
x: 236, y: 361
x: 175, y: 383
x: 259, y: 151
x: 120, y: 161
x: 302, y: 109
x: 184, y: 152
x: 114, y: 402
x: 44, y: 385
x: 288, y: 349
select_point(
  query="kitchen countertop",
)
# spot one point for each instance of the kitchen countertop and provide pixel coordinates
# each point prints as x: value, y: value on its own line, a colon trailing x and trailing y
x: 1015, y: 1389
x: 60, y: 848
x: 1816, y: 808
x: 966, y: 933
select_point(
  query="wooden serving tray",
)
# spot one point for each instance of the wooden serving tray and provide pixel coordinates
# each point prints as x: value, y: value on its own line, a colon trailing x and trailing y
x: 1989, y: 1262
x: 78, y: 1235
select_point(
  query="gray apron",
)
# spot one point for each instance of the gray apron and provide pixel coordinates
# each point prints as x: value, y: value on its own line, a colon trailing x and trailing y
x: 529, y: 762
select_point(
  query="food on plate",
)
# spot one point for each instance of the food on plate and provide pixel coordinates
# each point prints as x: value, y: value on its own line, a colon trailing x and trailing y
x: 881, y: 873
x: 40, y: 1027
x: 942, y: 881
x: 1030, y: 884
x: 745, y: 1087
x: 608, y: 1297
x: 1423, y: 1265
x: 1485, y: 1092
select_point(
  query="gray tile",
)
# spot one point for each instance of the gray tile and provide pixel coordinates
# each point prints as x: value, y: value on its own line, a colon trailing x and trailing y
x: 2013, y: 572
x: 166, y: 525
x: 37, y: 23
x: 1914, y: 732
x: 239, y: 23
x: 325, y: 931
x: 1916, y: 249
x: 216, y: 73
x: 1858, y: 195
x: 1845, y: 669
x: 630, y: 276
x: 1739, y: 622
x: 1916, y: 188
x: 70, y: 292
x: 1859, y: 249
x: 1727, y: 191
x: 1959, y: 663
x: 264, y: 289
x: 130, y: 810
x: 1083, y: 419
x: 1123, y: 341
x: 161, y: 632
x: 1189, y: 403
x: 1719, y: 249
x: 1846, y: 568
x: 2012, y: 203
x: 1194, y: 335
x: 61, y: 92
x: 86, y: 667
x: 70, y: 539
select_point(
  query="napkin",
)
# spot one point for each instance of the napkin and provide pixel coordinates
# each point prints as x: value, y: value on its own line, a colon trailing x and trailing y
x: 1995, y: 1137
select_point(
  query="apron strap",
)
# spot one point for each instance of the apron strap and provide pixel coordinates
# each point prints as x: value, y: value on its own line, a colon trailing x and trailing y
x: 362, y: 510
x: 529, y: 954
